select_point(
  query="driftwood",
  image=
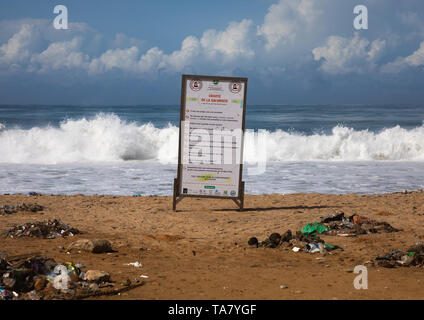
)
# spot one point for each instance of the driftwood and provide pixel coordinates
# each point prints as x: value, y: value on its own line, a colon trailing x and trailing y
x: 109, y: 292
x: 22, y: 256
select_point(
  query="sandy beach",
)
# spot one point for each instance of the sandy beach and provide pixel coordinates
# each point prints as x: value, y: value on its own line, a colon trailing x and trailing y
x: 201, y: 251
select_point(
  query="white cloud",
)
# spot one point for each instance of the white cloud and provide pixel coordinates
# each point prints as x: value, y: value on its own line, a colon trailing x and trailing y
x: 150, y: 60
x: 19, y: 47
x: 343, y: 55
x: 122, y: 41
x: 286, y: 37
x: 416, y: 59
x: 223, y: 46
x: 60, y: 55
x: 177, y: 60
x: 284, y: 20
x: 124, y: 59
x: 231, y: 43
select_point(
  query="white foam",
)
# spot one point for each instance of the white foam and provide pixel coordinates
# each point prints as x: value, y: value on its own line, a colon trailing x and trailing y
x: 104, y: 138
x: 343, y: 144
x: 107, y: 138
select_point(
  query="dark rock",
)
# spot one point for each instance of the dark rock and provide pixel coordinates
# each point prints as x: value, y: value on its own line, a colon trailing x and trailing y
x: 287, y: 236
x: 97, y: 276
x: 275, y: 238
x: 94, y: 245
x: 253, y: 242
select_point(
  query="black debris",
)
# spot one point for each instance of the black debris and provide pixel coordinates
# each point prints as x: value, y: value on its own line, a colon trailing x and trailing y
x: 413, y: 256
x: 49, y: 229
x: 10, y: 209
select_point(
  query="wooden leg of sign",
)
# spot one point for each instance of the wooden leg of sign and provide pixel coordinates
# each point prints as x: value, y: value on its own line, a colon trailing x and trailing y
x: 242, y: 196
x: 240, y: 200
x: 174, y: 198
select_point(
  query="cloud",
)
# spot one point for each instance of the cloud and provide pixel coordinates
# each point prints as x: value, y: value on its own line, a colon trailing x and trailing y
x: 231, y: 43
x: 18, y: 48
x: 178, y: 60
x: 60, y: 55
x: 290, y: 35
x: 224, y: 46
x: 416, y: 59
x: 122, y: 41
x: 284, y: 19
x: 123, y: 59
x: 342, y: 55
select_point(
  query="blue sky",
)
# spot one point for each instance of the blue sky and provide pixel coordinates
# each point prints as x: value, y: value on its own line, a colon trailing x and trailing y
x: 134, y: 52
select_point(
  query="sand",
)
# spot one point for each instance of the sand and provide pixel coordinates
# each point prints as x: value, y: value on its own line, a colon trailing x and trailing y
x: 201, y: 251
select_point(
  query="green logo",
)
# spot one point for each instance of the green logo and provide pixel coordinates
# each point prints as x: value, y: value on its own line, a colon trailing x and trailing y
x: 215, y: 82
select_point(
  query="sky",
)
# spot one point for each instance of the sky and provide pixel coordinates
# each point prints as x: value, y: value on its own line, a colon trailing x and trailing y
x: 134, y: 52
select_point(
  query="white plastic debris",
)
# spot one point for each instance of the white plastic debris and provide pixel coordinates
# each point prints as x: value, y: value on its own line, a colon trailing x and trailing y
x: 296, y: 249
x: 144, y: 276
x: 135, y: 264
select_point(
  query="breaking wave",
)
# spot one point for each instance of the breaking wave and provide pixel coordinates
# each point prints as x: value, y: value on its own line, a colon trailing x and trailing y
x: 107, y: 138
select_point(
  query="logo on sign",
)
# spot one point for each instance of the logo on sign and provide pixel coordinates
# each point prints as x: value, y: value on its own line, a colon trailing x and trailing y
x: 235, y: 87
x: 195, y: 85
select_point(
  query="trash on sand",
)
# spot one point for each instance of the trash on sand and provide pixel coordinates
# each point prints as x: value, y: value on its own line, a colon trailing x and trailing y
x: 314, y: 228
x: 49, y: 229
x: 414, y: 256
x: 312, y: 248
x: 144, y: 276
x: 33, y: 194
x: 33, y: 277
x: 9, y: 209
x: 135, y: 264
x: 338, y: 224
x: 306, y: 241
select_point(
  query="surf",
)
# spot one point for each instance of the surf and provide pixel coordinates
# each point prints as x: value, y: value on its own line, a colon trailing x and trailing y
x: 108, y: 138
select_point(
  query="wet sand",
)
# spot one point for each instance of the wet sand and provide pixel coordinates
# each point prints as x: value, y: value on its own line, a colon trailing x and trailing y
x: 201, y: 251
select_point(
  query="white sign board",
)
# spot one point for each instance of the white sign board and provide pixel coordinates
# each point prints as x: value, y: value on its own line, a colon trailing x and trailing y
x: 211, y: 136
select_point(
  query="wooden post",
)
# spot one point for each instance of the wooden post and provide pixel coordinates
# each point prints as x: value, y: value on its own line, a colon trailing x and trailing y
x: 241, y: 195
x: 174, y: 198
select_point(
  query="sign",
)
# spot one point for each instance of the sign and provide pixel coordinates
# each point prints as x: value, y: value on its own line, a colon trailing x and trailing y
x: 212, y: 118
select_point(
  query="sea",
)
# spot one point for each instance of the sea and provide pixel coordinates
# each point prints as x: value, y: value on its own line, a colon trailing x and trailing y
x: 132, y: 150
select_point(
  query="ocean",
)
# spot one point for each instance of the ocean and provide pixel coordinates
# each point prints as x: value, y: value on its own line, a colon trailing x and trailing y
x: 128, y: 150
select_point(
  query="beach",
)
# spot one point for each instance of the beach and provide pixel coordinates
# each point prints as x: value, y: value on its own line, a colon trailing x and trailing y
x: 201, y: 251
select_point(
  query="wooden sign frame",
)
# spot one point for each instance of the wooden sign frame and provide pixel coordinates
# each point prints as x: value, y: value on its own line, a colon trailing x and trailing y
x: 178, y: 196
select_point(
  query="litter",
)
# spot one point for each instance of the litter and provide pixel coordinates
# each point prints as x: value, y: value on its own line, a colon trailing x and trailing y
x: 32, y: 277
x: 414, y: 256
x: 47, y: 230
x: 135, y: 264
x: 342, y: 226
x: 33, y: 194
x: 306, y: 241
x: 10, y: 209
x: 314, y: 228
